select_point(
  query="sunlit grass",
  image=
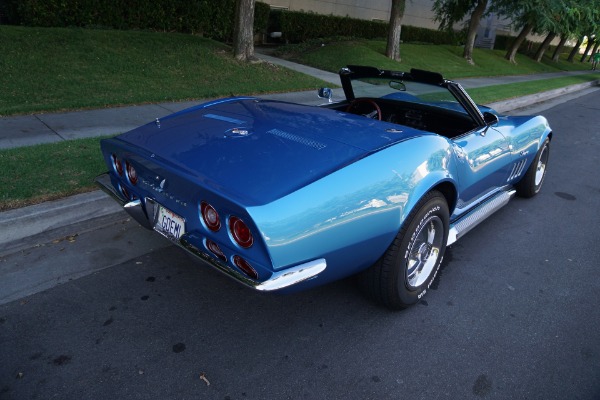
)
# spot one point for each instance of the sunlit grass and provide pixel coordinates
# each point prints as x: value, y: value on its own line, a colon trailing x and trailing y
x: 446, y: 59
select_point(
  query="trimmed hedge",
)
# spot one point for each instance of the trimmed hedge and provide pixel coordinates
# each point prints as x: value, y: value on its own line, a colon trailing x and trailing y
x: 299, y: 27
x: 527, y: 47
x: 211, y: 18
x: 413, y: 34
x: 503, y: 42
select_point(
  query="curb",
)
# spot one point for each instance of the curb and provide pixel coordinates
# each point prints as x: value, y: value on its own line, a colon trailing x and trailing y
x: 520, y: 102
x: 18, y: 224
x: 21, y: 223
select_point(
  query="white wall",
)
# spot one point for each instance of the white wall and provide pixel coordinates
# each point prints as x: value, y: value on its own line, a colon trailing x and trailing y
x: 417, y: 13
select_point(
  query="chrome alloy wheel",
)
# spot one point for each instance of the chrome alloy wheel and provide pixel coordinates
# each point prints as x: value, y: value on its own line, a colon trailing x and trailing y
x: 541, y: 166
x: 423, y: 254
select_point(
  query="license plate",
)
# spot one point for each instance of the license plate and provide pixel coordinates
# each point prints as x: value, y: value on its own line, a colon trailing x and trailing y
x: 169, y: 224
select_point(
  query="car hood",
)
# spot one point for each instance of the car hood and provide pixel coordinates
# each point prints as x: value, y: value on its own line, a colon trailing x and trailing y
x: 259, y: 150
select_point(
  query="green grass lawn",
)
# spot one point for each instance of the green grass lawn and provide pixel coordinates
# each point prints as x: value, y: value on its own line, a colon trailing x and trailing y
x: 50, y: 69
x: 35, y: 174
x: 445, y: 59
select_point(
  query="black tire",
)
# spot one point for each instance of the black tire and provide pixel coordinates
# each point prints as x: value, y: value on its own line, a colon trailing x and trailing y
x: 403, y: 274
x: 532, y: 181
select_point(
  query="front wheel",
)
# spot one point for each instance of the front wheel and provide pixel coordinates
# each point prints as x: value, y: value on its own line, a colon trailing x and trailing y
x: 404, y: 273
x: 532, y: 181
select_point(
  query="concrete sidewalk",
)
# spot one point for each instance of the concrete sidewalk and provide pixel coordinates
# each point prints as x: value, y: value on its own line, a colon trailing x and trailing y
x: 54, y: 216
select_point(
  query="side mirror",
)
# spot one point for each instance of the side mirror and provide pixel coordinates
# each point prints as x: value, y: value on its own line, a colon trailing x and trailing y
x: 325, y: 93
x: 490, y: 119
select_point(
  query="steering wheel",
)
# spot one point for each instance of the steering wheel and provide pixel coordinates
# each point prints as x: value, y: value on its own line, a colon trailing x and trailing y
x: 359, y: 106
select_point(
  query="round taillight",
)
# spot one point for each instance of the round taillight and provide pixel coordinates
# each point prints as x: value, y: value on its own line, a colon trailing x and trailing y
x: 210, y: 216
x: 117, y: 164
x: 131, y: 173
x: 240, y: 232
x: 245, y: 267
x: 215, y: 249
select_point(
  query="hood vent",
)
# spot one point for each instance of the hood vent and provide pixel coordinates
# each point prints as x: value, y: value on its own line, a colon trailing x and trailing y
x: 298, y: 139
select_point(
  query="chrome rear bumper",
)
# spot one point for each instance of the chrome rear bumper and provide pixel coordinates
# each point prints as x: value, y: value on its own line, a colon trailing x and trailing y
x: 279, y: 280
x: 145, y: 212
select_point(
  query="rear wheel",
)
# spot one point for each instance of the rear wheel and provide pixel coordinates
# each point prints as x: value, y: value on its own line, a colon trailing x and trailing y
x: 532, y: 181
x: 404, y: 273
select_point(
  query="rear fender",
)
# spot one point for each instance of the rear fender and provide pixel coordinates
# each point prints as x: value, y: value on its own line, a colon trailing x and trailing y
x: 429, y: 183
x: 351, y: 216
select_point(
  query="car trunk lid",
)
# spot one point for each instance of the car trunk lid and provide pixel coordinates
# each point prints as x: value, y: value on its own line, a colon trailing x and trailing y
x: 259, y: 150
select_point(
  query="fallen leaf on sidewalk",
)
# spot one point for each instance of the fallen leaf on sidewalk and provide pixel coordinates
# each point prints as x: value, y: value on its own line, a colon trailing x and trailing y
x: 72, y: 238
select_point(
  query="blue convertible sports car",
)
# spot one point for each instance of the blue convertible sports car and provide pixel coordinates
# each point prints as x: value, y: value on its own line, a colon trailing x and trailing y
x: 282, y: 196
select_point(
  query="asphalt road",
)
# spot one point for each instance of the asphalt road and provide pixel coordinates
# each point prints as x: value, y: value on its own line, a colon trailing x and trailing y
x: 513, y: 314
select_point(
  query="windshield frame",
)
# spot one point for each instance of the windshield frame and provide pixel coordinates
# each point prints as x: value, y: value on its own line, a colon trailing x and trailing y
x: 354, y: 73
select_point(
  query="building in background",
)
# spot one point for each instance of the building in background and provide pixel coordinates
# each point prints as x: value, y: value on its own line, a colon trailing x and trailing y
x: 417, y: 13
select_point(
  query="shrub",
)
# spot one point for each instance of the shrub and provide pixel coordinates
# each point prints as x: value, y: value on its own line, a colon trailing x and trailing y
x: 299, y: 27
x: 212, y: 18
x: 503, y: 42
x: 261, y: 17
x: 413, y: 34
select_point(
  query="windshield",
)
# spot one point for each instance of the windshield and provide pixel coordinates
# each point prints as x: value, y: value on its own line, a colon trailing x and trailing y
x: 405, y: 90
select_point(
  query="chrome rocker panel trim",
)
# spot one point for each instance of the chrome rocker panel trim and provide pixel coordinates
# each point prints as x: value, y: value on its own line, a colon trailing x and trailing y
x: 145, y: 214
x: 460, y: 227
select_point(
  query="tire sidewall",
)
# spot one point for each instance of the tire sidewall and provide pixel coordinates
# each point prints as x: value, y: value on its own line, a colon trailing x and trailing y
x: 436, y: 206
x: 545, y: 147
x: 526, y: 187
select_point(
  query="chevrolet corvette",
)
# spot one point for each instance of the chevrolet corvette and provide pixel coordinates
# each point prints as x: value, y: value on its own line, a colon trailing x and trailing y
x: 282, y: 196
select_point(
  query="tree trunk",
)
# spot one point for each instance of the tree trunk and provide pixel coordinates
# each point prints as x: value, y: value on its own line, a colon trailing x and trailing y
x: 594, y: 50
x: 514, y: 47
x: 556, y: 55
x: 575, y: 49
x: 243, y: 33
x: 587, y: 49
x: 473, y: 25
x: 395, y: 27
x: 544, y: 46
